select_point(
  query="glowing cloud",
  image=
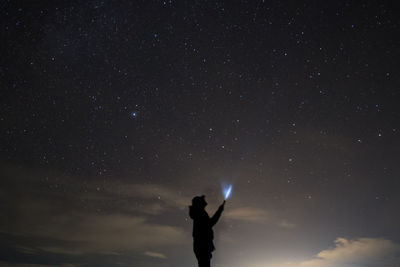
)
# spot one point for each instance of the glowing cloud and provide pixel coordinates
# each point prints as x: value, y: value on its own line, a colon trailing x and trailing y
x: 155, y: 255
x: 374, y: 252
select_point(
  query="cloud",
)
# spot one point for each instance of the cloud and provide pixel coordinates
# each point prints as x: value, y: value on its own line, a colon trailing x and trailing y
x: 256, y: 215
x: 76, y: 221
x: 106, y: 234
x: 373, y: 252
x: 151, y: 209
x: 26, y: 250
x: 155, y: 255
x: 248, y: 214
x: 360, y: 252
x: 286, y: 224
x: 275, y: 264
x: 162, y: 194
x: 8, y: 264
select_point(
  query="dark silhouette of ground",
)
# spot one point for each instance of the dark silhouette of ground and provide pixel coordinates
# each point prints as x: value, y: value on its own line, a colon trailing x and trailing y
x: 203, y: 234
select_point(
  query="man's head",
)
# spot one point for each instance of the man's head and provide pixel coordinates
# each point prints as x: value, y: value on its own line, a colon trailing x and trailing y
x: 199, y: 201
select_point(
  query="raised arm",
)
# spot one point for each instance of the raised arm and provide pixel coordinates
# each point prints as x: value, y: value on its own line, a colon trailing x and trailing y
x: 214, y: 219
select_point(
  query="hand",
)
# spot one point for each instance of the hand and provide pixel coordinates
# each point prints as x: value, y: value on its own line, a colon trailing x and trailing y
x: 221, y: 207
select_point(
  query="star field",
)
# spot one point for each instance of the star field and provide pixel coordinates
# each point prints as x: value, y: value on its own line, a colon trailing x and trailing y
x: 114, y: 114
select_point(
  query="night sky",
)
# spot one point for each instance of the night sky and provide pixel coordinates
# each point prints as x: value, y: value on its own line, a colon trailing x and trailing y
x: 115, y: 114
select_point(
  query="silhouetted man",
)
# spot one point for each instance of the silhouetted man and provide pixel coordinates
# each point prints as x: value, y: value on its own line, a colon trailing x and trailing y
x: 203, y: 234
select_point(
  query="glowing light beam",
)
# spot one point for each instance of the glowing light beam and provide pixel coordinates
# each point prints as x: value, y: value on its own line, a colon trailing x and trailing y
x: 226, y: 191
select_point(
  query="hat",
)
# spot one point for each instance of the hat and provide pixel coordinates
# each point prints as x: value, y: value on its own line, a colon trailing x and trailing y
x: 198, y: 200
